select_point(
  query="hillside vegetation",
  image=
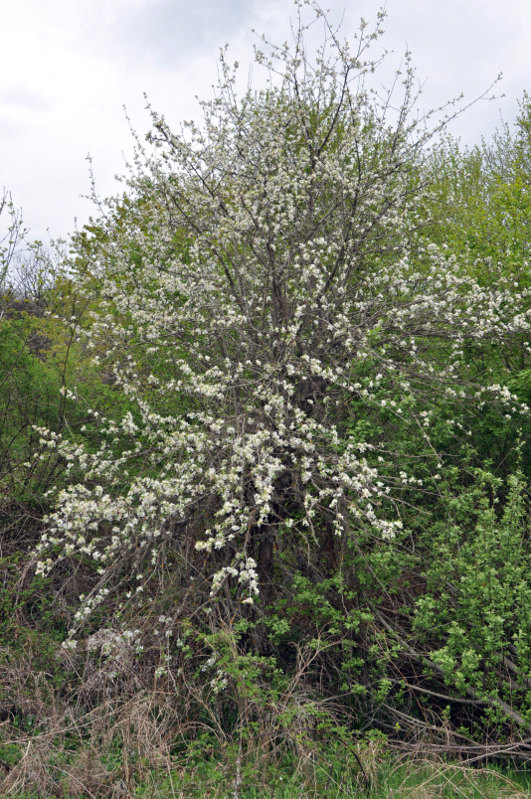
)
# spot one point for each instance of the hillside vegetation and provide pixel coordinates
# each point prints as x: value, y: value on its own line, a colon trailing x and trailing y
x: 264, y: 498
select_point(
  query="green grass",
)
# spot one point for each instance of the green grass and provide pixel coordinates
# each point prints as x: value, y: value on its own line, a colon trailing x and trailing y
x: 392, y: 780
x: 203, y: 771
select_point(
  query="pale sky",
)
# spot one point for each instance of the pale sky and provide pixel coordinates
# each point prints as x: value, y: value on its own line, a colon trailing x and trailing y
x: 68, y: 67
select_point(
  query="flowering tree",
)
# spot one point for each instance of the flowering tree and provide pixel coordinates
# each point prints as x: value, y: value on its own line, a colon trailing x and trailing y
x: 264, y: 282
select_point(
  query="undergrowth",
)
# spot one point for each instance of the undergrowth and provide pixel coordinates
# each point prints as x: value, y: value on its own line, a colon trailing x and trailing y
x: 368, y: 772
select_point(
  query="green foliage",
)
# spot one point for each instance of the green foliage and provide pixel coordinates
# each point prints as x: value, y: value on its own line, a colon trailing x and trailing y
x: 29, y: 394
x: 478, y: 598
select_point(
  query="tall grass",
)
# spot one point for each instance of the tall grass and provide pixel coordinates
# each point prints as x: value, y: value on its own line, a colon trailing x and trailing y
x: 368, y: 772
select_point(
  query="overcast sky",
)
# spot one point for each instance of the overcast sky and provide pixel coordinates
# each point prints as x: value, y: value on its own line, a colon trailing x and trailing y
x: 68, y: 67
